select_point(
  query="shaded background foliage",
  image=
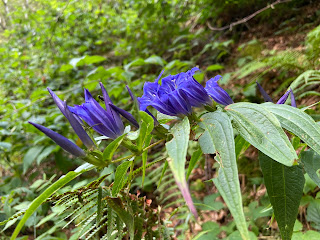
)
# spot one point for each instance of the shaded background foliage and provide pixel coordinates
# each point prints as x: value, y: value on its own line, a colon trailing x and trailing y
x: 69, y: 45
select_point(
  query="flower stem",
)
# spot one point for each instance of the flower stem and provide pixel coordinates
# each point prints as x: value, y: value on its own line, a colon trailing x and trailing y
x: 152, y: 145
x: 123, y: 158
x: 135, y: 154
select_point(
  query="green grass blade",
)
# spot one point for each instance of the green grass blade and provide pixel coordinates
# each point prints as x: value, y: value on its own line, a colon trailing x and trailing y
x: 48, y: 192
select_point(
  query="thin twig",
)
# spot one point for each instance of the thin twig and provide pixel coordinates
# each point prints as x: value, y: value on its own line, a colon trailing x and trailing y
x: 244, y: 20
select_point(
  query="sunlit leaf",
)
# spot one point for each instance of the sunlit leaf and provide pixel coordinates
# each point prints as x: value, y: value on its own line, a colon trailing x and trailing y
x: 177, y: 151
x: 218, y: 126
x: 261, y: 128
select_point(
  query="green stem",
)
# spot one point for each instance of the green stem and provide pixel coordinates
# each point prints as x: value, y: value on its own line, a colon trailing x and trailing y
x: 152, y: 145
x: 135, y: 154
x: 127, y: 144
x: 123, y: 158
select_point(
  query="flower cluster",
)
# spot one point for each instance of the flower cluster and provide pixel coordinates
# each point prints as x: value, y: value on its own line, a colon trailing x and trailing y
x: 177, y: 94
x: 106, y: 122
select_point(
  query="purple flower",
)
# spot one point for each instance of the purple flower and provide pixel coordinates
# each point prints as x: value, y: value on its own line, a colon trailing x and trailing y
x: 107, y: 121
x: 74, y: 121
x: 134, y: 99
x: 282, y: 100
x: 217, y: 93
x: 62, y: 141
x: 176, y: 95
x: 75, y: 124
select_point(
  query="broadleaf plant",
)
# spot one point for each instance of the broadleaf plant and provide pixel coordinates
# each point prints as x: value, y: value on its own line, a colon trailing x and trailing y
x: 111, y: 207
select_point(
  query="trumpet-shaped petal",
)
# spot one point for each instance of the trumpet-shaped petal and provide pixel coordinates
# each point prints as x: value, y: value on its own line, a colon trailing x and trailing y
x: 130, y: 93
x: 265, y: 95
x: 217, y: 93
x: 74, y: 121
x: 82, y: 134
x: 176, y: 95
x: 107, y: 102
x: 58, y: 102
x: 133, y: 98
x: 293, y: 100
x: 63, y: 142
x: 282, y: 100
x: 125, y: 114
x: 106, y: 122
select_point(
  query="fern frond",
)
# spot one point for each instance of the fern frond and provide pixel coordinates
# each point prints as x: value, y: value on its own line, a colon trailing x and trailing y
x: 95, y: 229
x: 111, y: 222
x: 79, y: 211
x: 87, y: 225
x: 120, y: 227
x: 16, y: 215
x: 86, y: 219
x: 171, y: 195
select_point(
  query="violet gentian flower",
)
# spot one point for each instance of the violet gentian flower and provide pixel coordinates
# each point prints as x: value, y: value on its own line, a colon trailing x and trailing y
x: 62, y: 141
x: 105, y: 122
x: 282, y: 100
x: 75, y: 124
x: 176, y: 95
x: 74, y: 121
x: 217, y: 93
x: 133, y: 98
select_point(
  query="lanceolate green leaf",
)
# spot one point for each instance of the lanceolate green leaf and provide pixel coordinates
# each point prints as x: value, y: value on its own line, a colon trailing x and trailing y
x: 177, y: 150
x: 119, y: 178
x: 297, y: 122
x: 218, y: 127
x: 48, y: 192
x: 111, y: 148
x: 311, y: 161
x: 145, y: 129
x: 193, y: 161
x: 285, y: 188
x: 258, y: 126
x: 144, y: 139
x: 241, y: 145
